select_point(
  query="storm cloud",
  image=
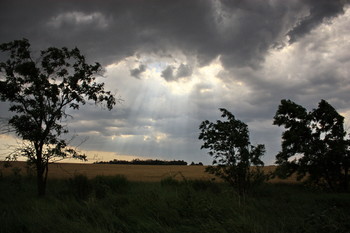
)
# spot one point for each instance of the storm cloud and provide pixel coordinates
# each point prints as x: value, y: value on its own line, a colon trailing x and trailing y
x: 240, y: 32
x: 176, y: 62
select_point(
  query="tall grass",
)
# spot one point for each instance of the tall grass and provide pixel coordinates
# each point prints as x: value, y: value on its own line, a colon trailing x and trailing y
x: 114, y: 204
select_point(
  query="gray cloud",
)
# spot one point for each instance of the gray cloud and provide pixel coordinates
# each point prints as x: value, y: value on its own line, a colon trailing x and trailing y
x: 240, y: 32
x: 136, y: 72
x: 172, y: 74
x: 184, y: 70
x: 168, y: 73
x: 242, y: 35
x: 319, y: 11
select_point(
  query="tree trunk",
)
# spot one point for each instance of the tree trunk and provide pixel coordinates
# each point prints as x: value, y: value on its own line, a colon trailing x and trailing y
x: 346, y: 180
x: 41, y: 178
x: 41, y: 169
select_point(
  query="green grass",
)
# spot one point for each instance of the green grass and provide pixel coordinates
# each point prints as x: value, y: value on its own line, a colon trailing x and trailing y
x: 113, y: 204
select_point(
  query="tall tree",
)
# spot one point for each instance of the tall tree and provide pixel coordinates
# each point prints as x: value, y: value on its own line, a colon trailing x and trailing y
x: 228, y: 143
x: 40, y: 91
x: 314, y: 144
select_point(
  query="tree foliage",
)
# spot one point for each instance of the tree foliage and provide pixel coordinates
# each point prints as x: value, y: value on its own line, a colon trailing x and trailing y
x: 314, y: 144
x: 40, y: 91
x: 228, y: 143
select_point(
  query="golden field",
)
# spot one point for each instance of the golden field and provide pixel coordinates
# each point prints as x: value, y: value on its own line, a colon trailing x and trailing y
x: 147, y: 173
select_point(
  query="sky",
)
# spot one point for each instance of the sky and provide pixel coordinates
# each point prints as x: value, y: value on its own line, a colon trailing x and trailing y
x: 175, y: 63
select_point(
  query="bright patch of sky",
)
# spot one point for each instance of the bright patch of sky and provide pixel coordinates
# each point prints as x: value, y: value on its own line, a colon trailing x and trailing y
x: 77, y: 18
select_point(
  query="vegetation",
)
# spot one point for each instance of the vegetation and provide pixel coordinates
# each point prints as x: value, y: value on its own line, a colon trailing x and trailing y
x: 228, y: 143
x: 314, y: 145
x: 40, y: 91
x: 196, y: 164
x: 144, y: 162
x: 114, y: 204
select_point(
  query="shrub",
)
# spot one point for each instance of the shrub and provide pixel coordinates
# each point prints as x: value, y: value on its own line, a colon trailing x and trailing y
x: 115, y: 183
x: 204, y: 185
x: 169, y: 181
x: 80, y: 186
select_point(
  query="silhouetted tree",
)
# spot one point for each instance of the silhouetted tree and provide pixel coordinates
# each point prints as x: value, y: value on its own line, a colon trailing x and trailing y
x: 314, y: 144
x: 40, y: 91
x: 228, y: 143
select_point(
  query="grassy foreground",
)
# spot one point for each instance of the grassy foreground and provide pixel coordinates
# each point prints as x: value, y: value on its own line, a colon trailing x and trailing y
x: 114, y: 204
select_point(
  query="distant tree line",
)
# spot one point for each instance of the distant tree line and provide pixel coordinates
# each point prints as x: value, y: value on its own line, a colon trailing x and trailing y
x: 196, y: 164
x: 144, y: 162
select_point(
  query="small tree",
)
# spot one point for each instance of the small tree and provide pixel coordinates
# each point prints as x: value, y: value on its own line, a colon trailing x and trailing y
x: 40, y: 91
x: 313, y: 145
x: 229, y: 145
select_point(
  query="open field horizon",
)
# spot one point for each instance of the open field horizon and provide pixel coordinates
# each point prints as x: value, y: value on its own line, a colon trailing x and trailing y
x: 143, y: 173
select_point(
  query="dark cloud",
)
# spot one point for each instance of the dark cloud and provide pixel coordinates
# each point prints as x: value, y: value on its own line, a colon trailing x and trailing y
x: 240, y: 32
x: 319, y: 11
x: 138, y: 71
x: 184, y: 70
x: 168, y: 73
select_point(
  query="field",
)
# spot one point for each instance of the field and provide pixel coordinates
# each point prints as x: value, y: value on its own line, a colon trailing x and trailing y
x: 175, y: 199
x: 144, y: 173
x: 148, y: 173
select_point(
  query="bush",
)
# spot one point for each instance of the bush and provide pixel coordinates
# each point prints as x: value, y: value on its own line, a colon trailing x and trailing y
x: 101, y: 190
x: 16, y: 178
x: 80, y: 186
x: 204, y: 185
x: 115, y: 183
x: 169, y: 181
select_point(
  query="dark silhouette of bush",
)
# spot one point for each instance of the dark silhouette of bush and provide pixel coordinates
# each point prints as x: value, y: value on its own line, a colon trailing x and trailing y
x: 169, y: 181
x: 80, y: 186
x: 205, y: 185
x: 115, y: 183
